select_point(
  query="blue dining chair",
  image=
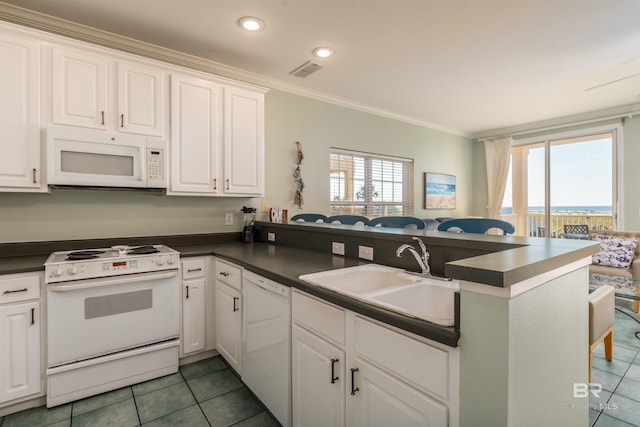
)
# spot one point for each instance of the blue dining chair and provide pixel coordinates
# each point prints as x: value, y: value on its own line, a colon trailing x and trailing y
x: 309, y: 217
x: 398, y: 222
x: 477, y: 225
x: 348, y: 219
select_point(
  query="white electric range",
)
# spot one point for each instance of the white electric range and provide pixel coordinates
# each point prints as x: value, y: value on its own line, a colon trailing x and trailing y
x: 112, y: 319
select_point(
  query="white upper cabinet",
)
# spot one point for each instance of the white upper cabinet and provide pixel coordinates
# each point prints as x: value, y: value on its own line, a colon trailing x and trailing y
x: 79, y: 89
x: 217, y: 138
x: 20, y: 164
x: 195, y: 136
x: 140, y: 99
x: 82, y: 94
x: 243, y: 142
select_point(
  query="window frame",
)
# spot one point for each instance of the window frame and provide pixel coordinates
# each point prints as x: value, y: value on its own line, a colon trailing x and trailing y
x: 368, y: 205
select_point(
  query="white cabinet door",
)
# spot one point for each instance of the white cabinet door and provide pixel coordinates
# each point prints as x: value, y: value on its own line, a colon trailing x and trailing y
x: 195, y: 136
x: 79, y: 89
x: 193, y: 316
x: 20, y: 165
x: 19, y: 350
x: 243, y: 142
x: 229, y: 324
x: 318, y: 378
x: 140, y: 99
x: 379, y: 399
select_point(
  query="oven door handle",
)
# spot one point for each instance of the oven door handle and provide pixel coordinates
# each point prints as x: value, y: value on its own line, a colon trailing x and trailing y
x: 98, y: 283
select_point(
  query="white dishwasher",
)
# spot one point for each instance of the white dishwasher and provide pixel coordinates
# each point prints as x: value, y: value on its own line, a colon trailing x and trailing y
x: 266, y: 343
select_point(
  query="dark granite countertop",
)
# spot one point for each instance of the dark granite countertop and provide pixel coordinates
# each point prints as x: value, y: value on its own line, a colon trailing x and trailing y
x: 282, y: 264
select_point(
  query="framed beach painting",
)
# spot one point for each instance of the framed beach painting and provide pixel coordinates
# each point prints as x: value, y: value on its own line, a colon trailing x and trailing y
x: 440, y: 191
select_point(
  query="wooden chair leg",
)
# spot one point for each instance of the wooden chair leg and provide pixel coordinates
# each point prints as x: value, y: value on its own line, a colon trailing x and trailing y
x: 590, y: 361
x: 608, y: 345
x: 607, y: 337
x: 636, y: 306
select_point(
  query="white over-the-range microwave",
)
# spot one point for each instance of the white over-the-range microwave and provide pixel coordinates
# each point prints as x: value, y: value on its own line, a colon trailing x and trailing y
x: 97, y: 158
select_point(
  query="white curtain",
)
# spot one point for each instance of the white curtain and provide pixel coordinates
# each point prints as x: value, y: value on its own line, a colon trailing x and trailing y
x: 497, y: 154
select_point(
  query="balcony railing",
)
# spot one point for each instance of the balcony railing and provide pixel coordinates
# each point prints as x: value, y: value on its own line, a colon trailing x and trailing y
x: 594, y: 220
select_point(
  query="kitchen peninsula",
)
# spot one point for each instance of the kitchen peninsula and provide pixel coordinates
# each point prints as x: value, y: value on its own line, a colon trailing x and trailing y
x: 523, y: 303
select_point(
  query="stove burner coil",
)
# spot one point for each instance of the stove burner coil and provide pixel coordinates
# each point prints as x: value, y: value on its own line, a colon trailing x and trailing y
x: 81, y: 255
x: 142, y: 250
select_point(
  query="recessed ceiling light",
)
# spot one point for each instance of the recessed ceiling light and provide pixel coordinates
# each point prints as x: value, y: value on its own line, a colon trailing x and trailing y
x: 323, y: 52
x: 250, y: 23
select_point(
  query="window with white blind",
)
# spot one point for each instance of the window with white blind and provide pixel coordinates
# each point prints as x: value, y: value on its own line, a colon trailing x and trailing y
x: 371, y: 185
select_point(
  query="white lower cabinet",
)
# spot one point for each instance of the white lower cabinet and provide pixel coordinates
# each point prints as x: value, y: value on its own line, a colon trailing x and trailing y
x: 198, y: 307
x: 351, y: 370
x: 20, y: 339
x: 318, y: 380
x: 383, y: 400
x: 229, y: 312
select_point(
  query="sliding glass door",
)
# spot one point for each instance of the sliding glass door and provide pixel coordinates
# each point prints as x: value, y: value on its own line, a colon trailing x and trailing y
x: 563, y: 185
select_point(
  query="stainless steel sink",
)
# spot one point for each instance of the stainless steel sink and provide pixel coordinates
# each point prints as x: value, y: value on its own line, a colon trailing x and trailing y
x: 414, y: 295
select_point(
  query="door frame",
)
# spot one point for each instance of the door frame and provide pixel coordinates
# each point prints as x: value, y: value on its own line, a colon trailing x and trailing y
x: 617, y: 167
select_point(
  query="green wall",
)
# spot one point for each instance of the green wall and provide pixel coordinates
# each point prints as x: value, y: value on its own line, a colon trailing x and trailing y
x: 83, y: 214
x: 319, y: 126
x: 630, y: 197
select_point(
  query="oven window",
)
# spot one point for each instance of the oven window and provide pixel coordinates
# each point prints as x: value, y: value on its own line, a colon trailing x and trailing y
x: 96, y: 164
x: 109, y: 305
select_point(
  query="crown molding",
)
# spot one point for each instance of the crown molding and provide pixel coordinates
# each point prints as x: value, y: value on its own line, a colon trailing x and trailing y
x: 61, y: 27
x: 564, y: 121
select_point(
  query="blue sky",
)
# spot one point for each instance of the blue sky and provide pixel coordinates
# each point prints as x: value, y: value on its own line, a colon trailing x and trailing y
x: 581, y: 175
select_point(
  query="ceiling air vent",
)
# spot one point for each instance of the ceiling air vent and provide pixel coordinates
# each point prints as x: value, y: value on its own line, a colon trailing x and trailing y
x: 305, y: 69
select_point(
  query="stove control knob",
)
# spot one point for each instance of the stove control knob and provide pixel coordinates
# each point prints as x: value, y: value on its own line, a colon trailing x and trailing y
x: 59, y: 271
x: 171, y: 260
x: 72, y: 270
x: 160, y: 261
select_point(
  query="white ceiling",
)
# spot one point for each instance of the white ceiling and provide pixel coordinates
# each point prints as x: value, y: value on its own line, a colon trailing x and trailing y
x: 466, y: 66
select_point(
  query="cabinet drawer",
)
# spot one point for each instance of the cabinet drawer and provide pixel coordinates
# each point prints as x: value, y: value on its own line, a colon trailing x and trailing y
x: 19, y: 287
x: 193, y: 268
x: 323, y: 319
x: 229, y: 273
x: 413, y: 360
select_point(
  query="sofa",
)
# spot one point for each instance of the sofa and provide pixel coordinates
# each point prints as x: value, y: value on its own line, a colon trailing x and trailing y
x: 634, y: 269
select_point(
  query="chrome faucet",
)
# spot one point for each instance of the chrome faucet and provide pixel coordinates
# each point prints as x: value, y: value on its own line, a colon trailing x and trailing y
x: 423, y: 260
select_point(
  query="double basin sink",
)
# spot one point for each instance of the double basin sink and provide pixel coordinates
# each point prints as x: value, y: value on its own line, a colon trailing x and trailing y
x: 423, y: 297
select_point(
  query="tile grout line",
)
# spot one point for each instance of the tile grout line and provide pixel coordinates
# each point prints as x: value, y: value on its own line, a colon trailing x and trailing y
x: 135, y: 404
x: 194, y: 396
x: 615, y: 388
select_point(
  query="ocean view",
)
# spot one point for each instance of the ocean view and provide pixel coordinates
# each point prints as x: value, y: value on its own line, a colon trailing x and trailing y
x: 605, y: 209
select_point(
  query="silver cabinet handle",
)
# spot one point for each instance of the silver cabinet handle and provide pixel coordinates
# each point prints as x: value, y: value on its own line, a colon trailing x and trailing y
x: 193, y: 270
x: 227, y: 183
x: 215, y: 183
x: 224, y: 273
x: 187, y: 297
x: 102, y: 114
x: 121, y: 120
x: 33, y: 316
x: 234, y: 304
x: 34, y: 175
